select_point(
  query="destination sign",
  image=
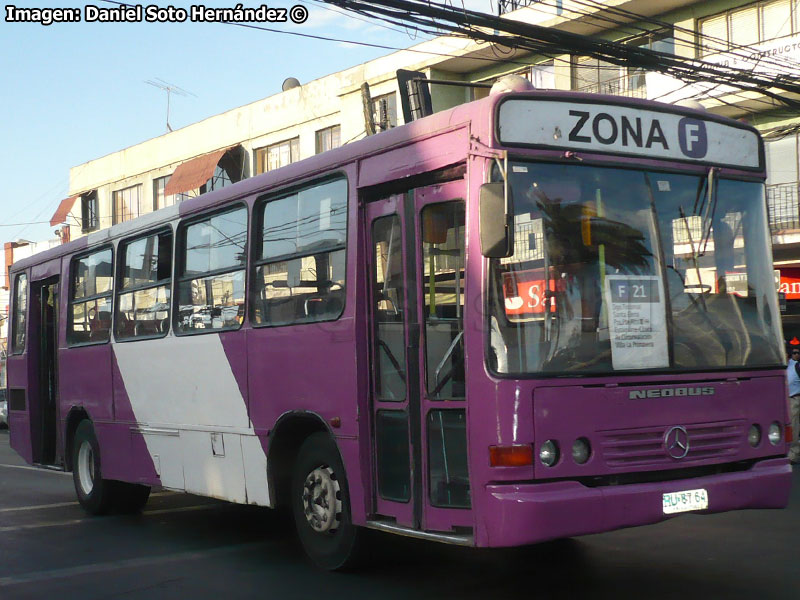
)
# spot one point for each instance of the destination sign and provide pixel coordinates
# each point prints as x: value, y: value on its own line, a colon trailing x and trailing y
x: 628, y: 130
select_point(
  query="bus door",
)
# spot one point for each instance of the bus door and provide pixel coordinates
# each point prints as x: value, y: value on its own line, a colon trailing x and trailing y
x: 416, y: 254
x: 44, y: 341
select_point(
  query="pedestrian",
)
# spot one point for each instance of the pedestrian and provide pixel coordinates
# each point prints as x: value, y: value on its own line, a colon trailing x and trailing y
x: 793, y: 377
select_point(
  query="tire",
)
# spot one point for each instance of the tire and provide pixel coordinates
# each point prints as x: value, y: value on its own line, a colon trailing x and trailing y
x: 95, y: 494
x: 129, y: 498
x: 321, y: 505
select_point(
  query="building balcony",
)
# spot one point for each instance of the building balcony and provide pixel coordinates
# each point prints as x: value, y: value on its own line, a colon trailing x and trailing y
x: 783, y: 207
x: 630, y: 85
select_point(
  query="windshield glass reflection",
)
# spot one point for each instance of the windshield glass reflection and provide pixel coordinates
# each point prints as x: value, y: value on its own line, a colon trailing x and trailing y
x: 616, y: 269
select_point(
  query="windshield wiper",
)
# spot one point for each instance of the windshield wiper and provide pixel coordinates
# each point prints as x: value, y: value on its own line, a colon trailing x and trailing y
x: 711, y: 206
x: 694, y: 254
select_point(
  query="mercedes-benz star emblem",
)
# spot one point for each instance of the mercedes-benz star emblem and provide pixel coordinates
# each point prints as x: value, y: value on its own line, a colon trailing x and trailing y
x: 676, y: 442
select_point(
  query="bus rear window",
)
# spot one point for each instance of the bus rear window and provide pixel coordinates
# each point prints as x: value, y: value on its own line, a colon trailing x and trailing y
x: 90, y: 298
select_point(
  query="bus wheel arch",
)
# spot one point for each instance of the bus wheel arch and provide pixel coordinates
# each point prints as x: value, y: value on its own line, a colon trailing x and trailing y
x: 286, y: 438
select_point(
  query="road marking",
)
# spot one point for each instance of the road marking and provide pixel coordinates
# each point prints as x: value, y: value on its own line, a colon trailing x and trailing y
x: 39, y: 469
x: 61, y: 504
x: 36, y: 507
x: 145, y: 513
x: 132, y: 563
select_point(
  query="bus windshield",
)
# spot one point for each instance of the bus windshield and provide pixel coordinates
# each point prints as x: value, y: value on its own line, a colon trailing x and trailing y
x: 620, y: 269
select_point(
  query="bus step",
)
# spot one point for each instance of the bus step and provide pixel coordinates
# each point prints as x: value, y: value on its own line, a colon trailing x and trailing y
x: 49, y: 467
x: 436, y: 536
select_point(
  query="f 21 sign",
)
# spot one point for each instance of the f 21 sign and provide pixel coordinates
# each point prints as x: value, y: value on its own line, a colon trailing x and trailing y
x: 617, y: 129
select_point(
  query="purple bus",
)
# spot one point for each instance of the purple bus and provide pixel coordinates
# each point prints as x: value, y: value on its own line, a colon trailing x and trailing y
x: 533, y: 316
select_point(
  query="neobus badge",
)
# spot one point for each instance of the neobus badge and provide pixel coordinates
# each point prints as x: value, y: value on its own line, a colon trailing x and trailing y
x: 671, y: 392
x: 629, y: 130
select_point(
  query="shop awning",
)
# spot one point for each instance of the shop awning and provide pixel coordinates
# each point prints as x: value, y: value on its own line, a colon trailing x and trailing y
x: 194, y: 173
x: 63, y: 209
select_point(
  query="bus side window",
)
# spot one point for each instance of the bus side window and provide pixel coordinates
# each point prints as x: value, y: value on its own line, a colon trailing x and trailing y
x: 19, y: 319
x: 144, y: 287
x: 90, y: 298
x: 210, y: 283
x: 300, y: 269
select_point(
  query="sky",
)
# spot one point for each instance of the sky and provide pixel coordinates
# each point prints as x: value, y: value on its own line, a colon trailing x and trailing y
x: 73, y: 92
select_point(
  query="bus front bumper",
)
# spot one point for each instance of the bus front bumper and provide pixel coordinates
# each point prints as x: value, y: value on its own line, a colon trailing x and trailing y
x: 518, y: 514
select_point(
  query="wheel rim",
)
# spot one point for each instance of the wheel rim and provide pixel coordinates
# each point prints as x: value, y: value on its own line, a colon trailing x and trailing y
x: 322, y: 502
x: 86, y: 467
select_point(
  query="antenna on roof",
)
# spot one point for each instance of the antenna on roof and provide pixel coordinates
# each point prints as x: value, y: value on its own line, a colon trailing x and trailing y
x: 170, y: 89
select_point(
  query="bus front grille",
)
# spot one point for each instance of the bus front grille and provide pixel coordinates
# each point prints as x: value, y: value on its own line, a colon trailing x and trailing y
x: 719, y: 440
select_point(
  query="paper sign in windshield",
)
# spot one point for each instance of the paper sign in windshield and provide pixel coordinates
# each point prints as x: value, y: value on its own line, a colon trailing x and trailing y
x: 637, y: 322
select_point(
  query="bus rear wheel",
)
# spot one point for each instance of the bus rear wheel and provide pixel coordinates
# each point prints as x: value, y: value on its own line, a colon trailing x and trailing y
x: 321, y: 505
x: 94, y: 492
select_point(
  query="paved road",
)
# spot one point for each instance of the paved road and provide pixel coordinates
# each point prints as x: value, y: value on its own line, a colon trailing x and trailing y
x: 188, y: 547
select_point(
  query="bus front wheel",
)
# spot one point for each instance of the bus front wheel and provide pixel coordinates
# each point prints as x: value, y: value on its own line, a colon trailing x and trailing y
x: 321, y: 505
x: 94, y: 492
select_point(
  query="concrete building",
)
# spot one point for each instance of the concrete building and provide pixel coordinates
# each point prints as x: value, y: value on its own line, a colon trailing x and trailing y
x: 304, y: 119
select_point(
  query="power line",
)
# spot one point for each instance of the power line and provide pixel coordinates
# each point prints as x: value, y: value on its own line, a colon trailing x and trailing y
x: 546, y: 41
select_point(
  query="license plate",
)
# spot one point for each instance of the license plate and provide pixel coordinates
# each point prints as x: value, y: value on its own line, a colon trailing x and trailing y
x: 678, y: 502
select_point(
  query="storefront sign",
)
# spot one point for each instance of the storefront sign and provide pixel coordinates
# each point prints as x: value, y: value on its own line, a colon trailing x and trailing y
x: 525, y: 293
x: 790, y: 283
x: 774, y: 56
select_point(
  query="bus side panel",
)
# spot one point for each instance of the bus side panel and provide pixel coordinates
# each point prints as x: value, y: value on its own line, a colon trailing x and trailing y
x: 308, y: 368
x: 184, y: 400
x: 121, y: 456
x: 19, y: 422
x: 85, y: 380
x: 130, y: 460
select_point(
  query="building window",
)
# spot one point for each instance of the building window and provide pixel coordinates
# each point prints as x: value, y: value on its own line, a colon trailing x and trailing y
x: 143, y: 287
x: 783, y: 182
x: 328, y: 138
x: 300, y: 264
x: 18, y: 321
x: 218, y: 180
x: 384, y: 111
x: 210, y: 284
x: 543, y: 75
x: 89, y: 218
x: 229, y: 170
x: 160, y: 200
x: 277, y: 155
x: 596, y: 76
x: 127, y: 204
x: 748, y: 26
x: 90, y: 298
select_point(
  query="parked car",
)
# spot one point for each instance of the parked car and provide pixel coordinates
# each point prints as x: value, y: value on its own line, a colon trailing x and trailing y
x: 3, y: 409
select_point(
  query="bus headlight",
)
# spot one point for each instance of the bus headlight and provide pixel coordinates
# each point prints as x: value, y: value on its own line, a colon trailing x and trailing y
x: 581, y: 450
x: 774, y: 433
x: 548, y: 453
x: 754, y: 435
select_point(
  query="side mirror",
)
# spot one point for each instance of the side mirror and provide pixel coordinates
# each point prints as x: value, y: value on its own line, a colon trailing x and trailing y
x: 497, y: 231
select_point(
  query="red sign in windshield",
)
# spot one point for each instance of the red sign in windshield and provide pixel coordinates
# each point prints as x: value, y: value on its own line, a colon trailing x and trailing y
x: 524, y: 293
